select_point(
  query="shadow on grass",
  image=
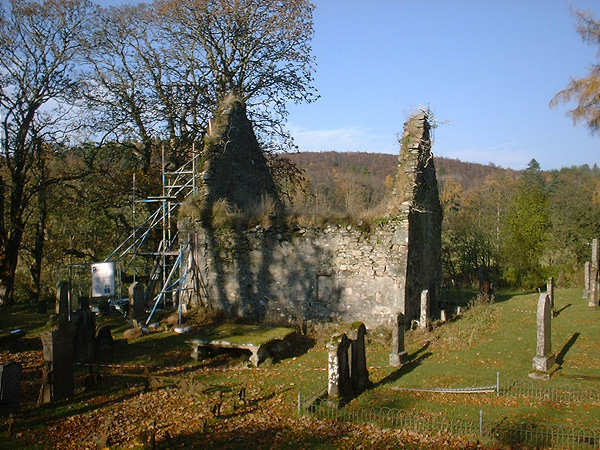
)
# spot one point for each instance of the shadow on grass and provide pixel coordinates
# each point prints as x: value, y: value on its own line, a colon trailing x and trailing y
x: 501, y: 298
x: 159, y: 349
x: 560, y: 357
x: 263, y: 435
x: 557, y: 313
x: 44, y: 415
x: 414, y: 360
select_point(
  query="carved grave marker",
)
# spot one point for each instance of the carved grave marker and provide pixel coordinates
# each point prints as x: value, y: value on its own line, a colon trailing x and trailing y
x: 10, y: 387
x: 398, y: 354
x: 544, y: 362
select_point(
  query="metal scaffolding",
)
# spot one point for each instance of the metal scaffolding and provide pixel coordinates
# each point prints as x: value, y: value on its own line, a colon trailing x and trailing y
x: 135, y: 256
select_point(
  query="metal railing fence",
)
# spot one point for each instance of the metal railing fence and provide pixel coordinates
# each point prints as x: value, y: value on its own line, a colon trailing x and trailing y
x: 522, y: 433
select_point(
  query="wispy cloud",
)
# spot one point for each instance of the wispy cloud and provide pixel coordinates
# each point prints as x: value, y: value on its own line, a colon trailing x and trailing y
x: 356, y: 139
x: 352, y: 139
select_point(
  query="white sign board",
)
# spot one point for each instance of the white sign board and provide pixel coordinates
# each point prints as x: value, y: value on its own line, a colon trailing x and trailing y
x: 103, y: 279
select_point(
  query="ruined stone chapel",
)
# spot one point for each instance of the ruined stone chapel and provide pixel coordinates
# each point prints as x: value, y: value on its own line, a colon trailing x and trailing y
x: 279, y: 273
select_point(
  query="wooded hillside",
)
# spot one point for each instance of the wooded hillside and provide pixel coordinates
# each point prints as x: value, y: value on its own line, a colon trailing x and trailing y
x: 319, y: 167
x: 523, y: 226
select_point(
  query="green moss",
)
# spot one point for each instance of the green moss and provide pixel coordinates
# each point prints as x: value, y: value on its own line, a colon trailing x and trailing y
x: 245, y: 334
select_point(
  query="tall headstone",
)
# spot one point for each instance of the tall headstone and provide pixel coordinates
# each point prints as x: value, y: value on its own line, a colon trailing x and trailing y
x: 137, y: 300
x: 593, y: 294
x: 544, y: 362
x: 398, y: 355
x: 58, y: 363
x: 84, y: 324
x: 594, y: 281
x: 62, y: 299
x: 10, y: 388
x: 359, y: 374
x: 424, y: 321
x: 550, y: 291
x: 587, y: 274
x: 338, y: 372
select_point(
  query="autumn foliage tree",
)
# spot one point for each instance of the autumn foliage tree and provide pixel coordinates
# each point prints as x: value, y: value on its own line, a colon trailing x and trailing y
x: 131, y: 78
x: 584, y: 91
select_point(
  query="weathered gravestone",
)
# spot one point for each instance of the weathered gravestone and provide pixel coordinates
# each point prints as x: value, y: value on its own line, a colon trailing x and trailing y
x: 587, y: 273
x: 443, y: 317
x: 137, y: 300
x: 84, y: 323
x: 338, y: 373
x: 424, y: 321
x: 550, y: 291
x: 63, y: 295
x: 593, y: 295
x: 544, y: 362
x: 594, y: 281
x: 398, y: 354
x: 359, y: 374
x: 10, y: 387
x: 58, y: 363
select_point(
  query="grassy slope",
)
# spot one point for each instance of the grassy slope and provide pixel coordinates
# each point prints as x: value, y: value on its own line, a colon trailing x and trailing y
x: 502, y: 338
x: 466, y: 352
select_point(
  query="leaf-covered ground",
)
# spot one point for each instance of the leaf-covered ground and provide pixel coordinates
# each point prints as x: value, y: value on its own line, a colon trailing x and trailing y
x: 258, y: 406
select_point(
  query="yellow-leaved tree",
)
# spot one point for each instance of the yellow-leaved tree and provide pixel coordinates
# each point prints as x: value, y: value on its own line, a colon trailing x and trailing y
x: 585, y: 91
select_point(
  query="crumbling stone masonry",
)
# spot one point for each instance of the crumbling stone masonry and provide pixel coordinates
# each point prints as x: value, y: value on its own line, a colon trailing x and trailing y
x: 330, y: 273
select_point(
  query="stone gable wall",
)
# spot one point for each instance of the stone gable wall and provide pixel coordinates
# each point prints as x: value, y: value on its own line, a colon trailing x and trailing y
x: 338, y: 273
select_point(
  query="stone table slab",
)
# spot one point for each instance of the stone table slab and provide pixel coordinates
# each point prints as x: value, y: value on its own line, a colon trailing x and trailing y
x: 255, y: 338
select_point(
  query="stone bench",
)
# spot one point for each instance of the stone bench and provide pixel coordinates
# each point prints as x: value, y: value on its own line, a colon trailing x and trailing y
x: 261, y: 341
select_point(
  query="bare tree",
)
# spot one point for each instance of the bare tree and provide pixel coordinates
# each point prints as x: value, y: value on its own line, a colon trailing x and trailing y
x: 259, y: 50
x: 39, y: 45
x: 145, y: 85
x: 159, y: 70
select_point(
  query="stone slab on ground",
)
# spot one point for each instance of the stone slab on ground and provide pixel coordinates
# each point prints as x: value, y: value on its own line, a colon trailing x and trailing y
x: 256, y: 338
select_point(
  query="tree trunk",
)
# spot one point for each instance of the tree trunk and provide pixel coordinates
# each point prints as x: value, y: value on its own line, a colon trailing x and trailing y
x: 8, y: 267
x: 40, y: 235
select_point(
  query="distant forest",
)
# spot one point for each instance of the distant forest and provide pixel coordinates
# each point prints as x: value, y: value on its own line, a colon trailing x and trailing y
x: 522, y: 226
x: 320, y: 166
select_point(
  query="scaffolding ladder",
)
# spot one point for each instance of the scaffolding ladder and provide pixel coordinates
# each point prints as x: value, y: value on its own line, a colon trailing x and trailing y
x: 176, y: 186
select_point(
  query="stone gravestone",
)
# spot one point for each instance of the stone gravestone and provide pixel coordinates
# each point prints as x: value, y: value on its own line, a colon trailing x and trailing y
x: 84, y: 323
x: 587, y: 273
x: 544, y: 362
x: 62, y: 299
x: 359, y: 374
x: 58, y: 363
x: 593, y: 290
x: 398, y: 355
x: 137, y: 300
x: 424, y: 320
x: 10, y: 387
x: 593, y: 294
x: 338, y: 373
x: 550, y: 291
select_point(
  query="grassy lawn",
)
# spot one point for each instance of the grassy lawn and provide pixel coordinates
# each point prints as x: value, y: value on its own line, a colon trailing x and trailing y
x: 490, y: 339
x: 467, y: 352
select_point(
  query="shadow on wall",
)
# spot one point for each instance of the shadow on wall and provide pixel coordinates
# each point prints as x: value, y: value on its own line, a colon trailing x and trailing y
x: 264, y: 276
x: 248, y: 269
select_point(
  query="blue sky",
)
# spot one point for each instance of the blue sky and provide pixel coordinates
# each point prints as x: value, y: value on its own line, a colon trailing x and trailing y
x: 487, y: 69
